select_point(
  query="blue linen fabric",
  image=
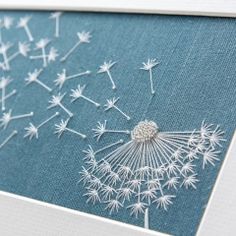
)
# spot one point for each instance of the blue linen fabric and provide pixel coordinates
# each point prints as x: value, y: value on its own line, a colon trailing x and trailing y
x: 194, y: 81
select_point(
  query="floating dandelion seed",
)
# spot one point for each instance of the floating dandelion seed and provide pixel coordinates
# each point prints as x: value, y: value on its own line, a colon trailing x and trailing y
x: 4, y: 47
x: 56, y: 101
x: 7, y: 117
x: 23, y: 23
x: 148, y: 168
x: 105, y: 68
x: 62, y: 78
x: 83, y: 37
x: 56, y: 16
x: 41, y: 45
x: 78, y: 93
x: 62, y: 127
x: 32, y: 130
x: 6, y: 23
x: 33, y: 78
x: 148, y: 67
x: 4, y: 82
x: 111, y: 103
x: 101, y: 129
x: 8, y: 139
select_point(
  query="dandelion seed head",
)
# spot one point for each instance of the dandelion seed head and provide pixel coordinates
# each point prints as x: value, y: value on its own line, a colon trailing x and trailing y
x: 55, y: 15
x: 137, y: 208
x: 4, y: 47
x: 77, y: 93
x: 144, y: 130
x: 53, y: 54
x: 111, y: 103
x: 56, y: 100
x: 61, y: 127
x: 106, y: 66
x: 42, y: 43
x: 4, y: 81
x: 7, y: 22
x: 164, y: 201
x: 6, y: 118
x: 33, y: 76
x: 84, y: 37
x: 23, y: 21
x: 31, y: 131
x: 24, y: 48
x: 149, y: 64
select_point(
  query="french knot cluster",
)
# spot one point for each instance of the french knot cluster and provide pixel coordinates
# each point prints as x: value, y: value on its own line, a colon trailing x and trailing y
x: 144, y: 131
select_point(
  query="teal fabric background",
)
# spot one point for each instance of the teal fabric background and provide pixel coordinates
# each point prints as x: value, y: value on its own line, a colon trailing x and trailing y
x: 195, y: 81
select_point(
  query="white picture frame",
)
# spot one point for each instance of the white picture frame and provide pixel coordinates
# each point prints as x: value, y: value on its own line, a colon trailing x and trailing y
x: 24, y: 216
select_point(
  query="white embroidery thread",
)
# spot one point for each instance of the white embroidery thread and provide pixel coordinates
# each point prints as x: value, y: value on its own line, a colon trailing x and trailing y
x: 5, y: 81
x: 56, y: 16
x: 23, y: 23
x: 8, y: 139
x: 6, y: 23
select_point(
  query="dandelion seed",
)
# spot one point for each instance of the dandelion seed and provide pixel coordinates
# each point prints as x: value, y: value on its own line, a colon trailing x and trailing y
x: 62, y: 127
x: 56, y: 101
x: 148, y: 67
x: 23, y: 23
x: 190, y: 181
x: 8, y: 139
x: 101, y: 130
x: 7, y: 117
x: 210, y: 156
x: 83, y: 37
x: 33, y: 77
x: 137, y: 208
x: 78, y: 93
x: 92, y: 196
x: 107, y: 192
x: 111, y: 103
x: 4, y: 47
x: 164, y: 201
x: 85, y: 176
x: 56, y: 16
x: 150, y: 166
x: 62, y: 78
x: 105, y: 68
x: 6, y: 23
x: 4, y: 82
x: 32, y: 130
x: 113, y: 205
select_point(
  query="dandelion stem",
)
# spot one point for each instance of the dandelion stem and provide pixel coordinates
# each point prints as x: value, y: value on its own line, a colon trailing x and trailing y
x: 3, y: 98
x: 117, y: 131
x: 109, y: 146
x: 13, y: 56
x: 70, y: 51
x: 90, y: 100
x: 22, y: 116
x: 46, y: 121
x: 77, y: 75
x: 112, y: 81
x: 66, y: 110
x: 126, y: 116
x: 43, y: 85
x: 146, y: 219
x: 27, y: 30
x: 151, y: 81
x: 8, y: 95
x: 57, y: 26
x: 75, y: 132
x: 44, y: 57
x: 8, y: 138
x: 6, y: 62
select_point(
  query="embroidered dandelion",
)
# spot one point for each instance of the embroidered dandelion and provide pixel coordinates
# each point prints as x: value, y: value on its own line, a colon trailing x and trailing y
x: 111, y: 103
x: 105, y: 68
x: 4, y: 82
x: 83, y: 37
x: 148, y: 169
x: 148, y: 67
x: 56, y: 101
x: 78, y: 93
x: 32, y: 130
x: 47, y: 58
x: 7, y: 117
x: 101, y: 130
x: 62, y: 77
x: 8, y: 139
x: 5, y: 23
x: 62, y: 127
x: 56, y: 16
x: 33, y: 78
x: 23, y: 23
x: 4, y: 47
